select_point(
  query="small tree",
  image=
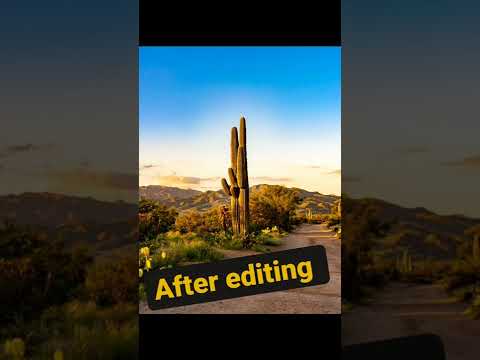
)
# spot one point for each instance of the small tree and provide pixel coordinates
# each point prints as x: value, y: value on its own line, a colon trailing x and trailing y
x: 273, y: 205
x: 154, y: 218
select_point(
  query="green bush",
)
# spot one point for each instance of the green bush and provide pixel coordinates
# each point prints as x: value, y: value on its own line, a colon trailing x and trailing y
x: 14, y: 349
x: 31, y: 281
x: 154, y: 219
x: 273, y: 206
x: 269, y: 237
x: 176, y: 248
x: 86, y: 331
x: 113, y: 281
x: 204, y: 223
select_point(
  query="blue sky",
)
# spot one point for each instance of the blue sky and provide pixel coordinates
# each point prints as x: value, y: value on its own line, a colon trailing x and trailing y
x: 190, y: 97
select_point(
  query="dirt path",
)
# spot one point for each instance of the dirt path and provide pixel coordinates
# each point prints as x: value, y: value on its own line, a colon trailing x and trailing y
x: 406, y: 309
x: 316, y: 299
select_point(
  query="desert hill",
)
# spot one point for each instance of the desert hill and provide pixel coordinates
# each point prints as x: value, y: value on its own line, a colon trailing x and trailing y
x: 100, y: 225
x: 53, y: 210
x: 165, y: 194
x: 424, y: 233
x: 201, y: 201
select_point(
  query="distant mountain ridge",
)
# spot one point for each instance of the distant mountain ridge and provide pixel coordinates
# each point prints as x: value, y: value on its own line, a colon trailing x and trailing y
x: 112, y: 225
x: 103, y: 226
x: 52, y: 210
x: 425, y: 233
x: 166, y: 194
x: 182, y: 199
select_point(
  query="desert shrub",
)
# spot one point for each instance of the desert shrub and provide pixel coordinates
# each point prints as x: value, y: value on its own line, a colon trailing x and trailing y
x: 154, y: 218
x: 197, y: 251
x: 270, y: 241
x: 14, y: 349
x: 16, y: 241
x: 176, y: 248
x: 204, y: 223
x: 463, y: 273
x: 273, y: 206
x: 37, y: 276
x: 79, y: 330
x: 360, y: 269
x: 269, y: 236
x: 263, y: 240
x: 194, y: 251
x: 230, y: 241
x: 298, y: 219
x: 84, y: 330
x: 113, y: 281
x: 30, y: 280
x: 103, y: 342
x: 333, y: 221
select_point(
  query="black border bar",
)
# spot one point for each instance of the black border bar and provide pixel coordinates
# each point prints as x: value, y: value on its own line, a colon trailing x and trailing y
x: 241, y: 24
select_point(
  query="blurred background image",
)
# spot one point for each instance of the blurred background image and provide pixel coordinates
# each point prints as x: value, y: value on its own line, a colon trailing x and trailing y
x: 69, y: 183
x: 410, y: 174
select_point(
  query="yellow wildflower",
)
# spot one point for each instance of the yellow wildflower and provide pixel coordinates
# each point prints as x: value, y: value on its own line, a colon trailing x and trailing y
x: 15, y: 348
x: 145, y: 251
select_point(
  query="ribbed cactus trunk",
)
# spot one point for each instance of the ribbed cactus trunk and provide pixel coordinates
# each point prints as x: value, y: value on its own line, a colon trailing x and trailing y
x: 244, y: 198
x: 406, y: 262
x: 239, y: 188
x: 309, y: 215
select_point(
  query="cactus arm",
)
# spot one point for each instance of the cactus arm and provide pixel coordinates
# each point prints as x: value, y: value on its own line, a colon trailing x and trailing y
x: 233, y: 178
x: 226, y: 187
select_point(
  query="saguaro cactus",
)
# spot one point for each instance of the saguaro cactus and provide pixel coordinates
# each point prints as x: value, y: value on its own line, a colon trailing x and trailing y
x: 238, y: 190
x: 406, y: 263
x: 308, y: 215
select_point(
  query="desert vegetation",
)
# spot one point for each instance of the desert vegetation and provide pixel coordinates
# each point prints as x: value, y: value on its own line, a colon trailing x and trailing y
x: 59, y: 303
x: 171, y: 237
x: 194, y: 236
x: 384, y: 243
x: 272, y: 214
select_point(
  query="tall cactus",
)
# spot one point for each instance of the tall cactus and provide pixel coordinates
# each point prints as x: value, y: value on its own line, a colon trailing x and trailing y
x: 308, y: 215
x: 239, y: 188
x: 407, y: 265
